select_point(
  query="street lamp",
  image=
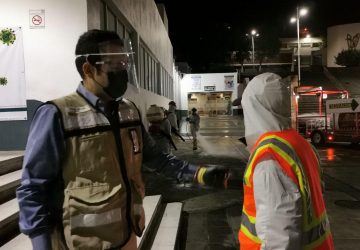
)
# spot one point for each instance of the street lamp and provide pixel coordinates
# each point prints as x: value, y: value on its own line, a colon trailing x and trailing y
x: 299, y: 13
x: 253, y: 34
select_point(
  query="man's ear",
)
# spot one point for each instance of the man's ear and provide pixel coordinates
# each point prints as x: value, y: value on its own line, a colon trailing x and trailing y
x: 88, y: 70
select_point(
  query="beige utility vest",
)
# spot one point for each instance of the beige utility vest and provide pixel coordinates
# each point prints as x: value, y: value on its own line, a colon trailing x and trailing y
x: 102, y: 178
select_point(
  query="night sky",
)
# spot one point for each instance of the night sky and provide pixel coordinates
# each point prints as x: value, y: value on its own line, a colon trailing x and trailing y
x: 199, y: 28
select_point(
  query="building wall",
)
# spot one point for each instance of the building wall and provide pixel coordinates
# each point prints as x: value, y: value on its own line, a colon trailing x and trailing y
x: 48, y: 55
x: 141, y: 22
x: 49, y: 52
x: 313, y: 42
x: 162, y: 12
x: 214, y: 79
x: 146, y: 20
x: 336, y: 40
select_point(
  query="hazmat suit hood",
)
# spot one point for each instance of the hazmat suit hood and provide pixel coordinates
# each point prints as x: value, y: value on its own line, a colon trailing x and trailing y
x: 266, y: 105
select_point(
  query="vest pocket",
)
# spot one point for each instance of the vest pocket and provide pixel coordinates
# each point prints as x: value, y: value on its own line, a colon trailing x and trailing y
x: 96, y: 217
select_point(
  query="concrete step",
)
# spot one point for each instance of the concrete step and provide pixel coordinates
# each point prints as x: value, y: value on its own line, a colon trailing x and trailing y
x: 20, y: 242
x: 5, y: 155
x: 9, y: 213
x: 153, y: 214
x: 168, y: 230
x: 10, y: 163
x: 151, y: 207
x: 8, y: 184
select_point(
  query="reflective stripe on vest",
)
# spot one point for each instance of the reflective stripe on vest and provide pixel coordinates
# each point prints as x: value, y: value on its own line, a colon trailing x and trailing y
x: 248, y: 226
x: 285, y: 151
x: 315, y: 230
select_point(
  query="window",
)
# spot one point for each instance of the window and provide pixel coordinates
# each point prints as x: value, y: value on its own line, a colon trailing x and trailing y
x: 162, y: 89
x: 152, y: 76
x: 102, y: 15
x: 146, y: 75
x: 150, y: 73
x: 171, y: 96
x: 153, y: 66
x: 111, y: 21
x: 166, y: 87
x: 141, y: 67
x: 127, y: 34
x: 120, y: 29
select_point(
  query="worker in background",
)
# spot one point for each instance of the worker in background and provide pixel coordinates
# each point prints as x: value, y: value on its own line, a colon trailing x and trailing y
x: 172, y: 117
x: 81, y: 185
x: 160, y: 128
x: 283, y: 204
x: 194, y: 120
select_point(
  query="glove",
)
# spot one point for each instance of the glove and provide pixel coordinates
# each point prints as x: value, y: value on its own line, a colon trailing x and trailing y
x: 214, y: 175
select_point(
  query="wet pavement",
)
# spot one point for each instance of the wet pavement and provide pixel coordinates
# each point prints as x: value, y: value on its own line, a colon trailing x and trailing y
x: 211, y: 217
x: 341, y: 166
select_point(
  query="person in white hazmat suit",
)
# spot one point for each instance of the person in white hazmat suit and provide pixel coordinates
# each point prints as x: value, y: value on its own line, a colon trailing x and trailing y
x: 273, y: 212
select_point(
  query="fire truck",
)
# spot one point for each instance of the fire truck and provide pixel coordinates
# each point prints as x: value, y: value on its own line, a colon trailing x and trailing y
x: 327, y: 116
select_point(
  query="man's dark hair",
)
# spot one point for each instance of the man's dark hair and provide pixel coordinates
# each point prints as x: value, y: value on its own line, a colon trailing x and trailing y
x: 88, y: 43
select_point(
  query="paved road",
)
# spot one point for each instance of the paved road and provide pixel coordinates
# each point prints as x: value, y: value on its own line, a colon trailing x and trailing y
x: 212, y: 217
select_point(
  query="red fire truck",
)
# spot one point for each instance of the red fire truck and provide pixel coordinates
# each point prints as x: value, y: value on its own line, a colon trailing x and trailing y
x: 327, y: 116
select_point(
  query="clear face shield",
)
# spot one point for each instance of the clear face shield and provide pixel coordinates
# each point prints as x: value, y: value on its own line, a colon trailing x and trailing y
x: 116, y: 61
x: 131, y: 67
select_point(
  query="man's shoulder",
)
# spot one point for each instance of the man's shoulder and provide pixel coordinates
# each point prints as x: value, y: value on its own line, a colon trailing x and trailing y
x: 71, y: 101
x: 65, y: 97
x: 46, y: 107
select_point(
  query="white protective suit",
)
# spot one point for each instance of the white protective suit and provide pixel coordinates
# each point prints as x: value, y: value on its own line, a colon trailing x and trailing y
x: 266, y: 105
x: 194, y: 120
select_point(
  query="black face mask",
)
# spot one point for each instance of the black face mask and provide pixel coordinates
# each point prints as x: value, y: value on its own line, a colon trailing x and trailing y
x: 118, y: 81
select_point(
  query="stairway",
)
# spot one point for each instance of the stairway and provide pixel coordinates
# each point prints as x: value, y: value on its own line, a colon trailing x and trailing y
x: 161, y: 225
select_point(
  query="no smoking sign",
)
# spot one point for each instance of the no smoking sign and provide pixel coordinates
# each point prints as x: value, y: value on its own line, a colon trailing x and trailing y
x: 37, y: 19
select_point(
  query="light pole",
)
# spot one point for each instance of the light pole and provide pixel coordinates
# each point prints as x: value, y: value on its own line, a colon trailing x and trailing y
x: 299, y: 13
x: 253, y: 34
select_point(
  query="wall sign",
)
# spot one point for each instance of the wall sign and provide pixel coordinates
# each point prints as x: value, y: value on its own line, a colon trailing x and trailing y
x: 343, y: 105
x: 37, y: 19
x: 229, y: 82
x: 209, y: 88
x: 196, y: 83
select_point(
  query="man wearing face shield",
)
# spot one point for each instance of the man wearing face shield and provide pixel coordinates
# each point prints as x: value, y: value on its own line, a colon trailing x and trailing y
x: 283, y: 202
x: 82, y: 185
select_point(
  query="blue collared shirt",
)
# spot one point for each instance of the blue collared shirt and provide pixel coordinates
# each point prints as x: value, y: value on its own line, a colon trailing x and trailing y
x: 40, y: 194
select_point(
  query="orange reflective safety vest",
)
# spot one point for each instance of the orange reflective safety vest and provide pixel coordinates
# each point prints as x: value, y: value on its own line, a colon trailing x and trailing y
x: 298, y: 161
